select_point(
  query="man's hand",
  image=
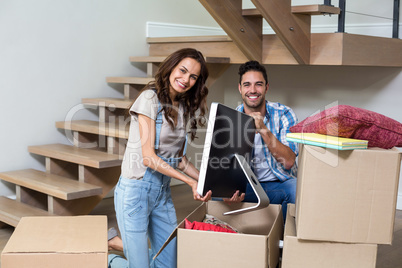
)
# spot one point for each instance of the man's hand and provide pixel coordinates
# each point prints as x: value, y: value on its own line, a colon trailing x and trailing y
x: 236, y: 198
x: 259, y: 122
x: 282, y: 153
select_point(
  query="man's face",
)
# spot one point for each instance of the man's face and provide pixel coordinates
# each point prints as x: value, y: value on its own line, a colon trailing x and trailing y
x: 252, y: 89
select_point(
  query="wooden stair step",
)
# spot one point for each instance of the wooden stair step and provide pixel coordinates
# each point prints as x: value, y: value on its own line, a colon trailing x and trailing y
x: 327, y: 49
x: 108, y: 102
x: 305, y: 9
x: 129, y: 80
x: 50, y: 184
x: 316, y: 10
x: 159, y: 59
x: 11, y: 211
x: 86, y: 157
x: 118, y: 130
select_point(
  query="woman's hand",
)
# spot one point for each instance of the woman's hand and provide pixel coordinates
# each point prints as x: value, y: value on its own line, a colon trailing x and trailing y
x: 197, y: 196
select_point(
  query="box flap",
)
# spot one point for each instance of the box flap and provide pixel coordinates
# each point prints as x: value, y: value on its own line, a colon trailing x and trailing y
x: 59, y: 234
x: 170, y: 238
x: 275, y: 235
x: 196, y: 215
x: 290, y: 226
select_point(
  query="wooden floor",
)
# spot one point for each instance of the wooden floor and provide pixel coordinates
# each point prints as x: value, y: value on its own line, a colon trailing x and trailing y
x: 388, y: 256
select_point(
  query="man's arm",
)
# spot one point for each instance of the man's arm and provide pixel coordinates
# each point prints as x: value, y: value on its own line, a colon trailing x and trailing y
x: 282, y: 153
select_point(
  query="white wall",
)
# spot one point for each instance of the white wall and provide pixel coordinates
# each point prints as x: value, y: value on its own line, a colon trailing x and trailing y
x: 53, y: 53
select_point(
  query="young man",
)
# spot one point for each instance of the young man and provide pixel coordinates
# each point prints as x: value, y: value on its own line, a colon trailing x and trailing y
x: 273, y: 159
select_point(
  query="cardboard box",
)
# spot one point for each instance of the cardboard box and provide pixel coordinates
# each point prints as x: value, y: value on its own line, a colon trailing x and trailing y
x: 347, y: 196
x: 256, y: 246
x: 60, y: 241
x: 299, y: 253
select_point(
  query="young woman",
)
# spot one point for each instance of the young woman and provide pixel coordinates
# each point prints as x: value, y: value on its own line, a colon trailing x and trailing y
x: 155, y: 148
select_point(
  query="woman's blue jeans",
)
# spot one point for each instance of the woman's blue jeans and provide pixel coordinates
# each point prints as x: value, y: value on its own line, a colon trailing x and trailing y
x: 144, y: 209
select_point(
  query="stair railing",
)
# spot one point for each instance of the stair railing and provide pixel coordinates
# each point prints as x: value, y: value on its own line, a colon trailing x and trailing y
x: 341, y: 16
x: 395, y: 28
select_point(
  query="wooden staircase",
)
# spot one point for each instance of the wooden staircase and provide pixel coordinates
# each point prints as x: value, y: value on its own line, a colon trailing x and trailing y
x: 293, y: 43
x: 78, y: 176
x: 76, y: 179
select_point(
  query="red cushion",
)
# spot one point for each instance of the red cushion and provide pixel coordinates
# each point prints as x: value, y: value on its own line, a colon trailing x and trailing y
x: 195, y: 225
x: 351, y: 122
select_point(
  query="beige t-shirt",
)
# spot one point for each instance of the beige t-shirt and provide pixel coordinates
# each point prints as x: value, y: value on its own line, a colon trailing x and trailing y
x: 171, y: 141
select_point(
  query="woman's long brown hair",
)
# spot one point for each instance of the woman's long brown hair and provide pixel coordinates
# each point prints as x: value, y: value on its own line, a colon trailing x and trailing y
x: 193, y: 99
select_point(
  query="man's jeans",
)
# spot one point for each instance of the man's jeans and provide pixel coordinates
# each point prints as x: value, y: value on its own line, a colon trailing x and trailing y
x: 277, y: 191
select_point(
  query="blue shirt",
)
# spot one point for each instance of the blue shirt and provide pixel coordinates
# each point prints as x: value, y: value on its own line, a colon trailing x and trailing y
x: 278, y: 119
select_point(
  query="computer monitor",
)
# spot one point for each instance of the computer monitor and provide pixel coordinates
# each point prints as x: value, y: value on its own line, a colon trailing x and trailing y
x: 227, y: 150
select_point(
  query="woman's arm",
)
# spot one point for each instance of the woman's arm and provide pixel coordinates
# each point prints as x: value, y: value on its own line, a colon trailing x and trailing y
x: 151, y: 160
x: 188, y: 168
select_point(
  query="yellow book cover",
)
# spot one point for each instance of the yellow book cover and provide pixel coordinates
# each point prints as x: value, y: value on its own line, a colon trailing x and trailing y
x: 338, y: 141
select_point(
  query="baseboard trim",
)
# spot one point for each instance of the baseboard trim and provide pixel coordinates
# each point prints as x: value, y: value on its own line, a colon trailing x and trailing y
x: 13, y: 197
x: 158, y: 29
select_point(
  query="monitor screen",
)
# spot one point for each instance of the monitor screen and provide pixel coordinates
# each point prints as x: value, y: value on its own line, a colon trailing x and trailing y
x: 229, y: 133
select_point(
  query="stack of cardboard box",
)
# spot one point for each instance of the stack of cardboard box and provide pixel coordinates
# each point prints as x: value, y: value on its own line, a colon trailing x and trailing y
x: 345, y: 206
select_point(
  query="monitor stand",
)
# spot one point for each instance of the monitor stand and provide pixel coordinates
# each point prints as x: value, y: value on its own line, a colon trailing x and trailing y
x: 263, y: 200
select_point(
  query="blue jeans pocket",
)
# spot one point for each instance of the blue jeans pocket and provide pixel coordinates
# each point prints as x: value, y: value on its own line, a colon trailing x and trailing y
x: 135, y: 209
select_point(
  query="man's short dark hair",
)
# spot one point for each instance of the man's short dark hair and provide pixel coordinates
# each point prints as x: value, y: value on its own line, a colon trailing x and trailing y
x: 252, y: 66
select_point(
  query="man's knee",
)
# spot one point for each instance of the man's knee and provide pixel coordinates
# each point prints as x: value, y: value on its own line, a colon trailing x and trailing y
x: 290, y: 189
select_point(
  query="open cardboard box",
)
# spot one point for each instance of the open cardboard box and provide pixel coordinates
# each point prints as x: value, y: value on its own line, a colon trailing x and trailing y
x: 256, y: 246
x: 347, y: 196
x: 59, y: 241
x: 299, y: 253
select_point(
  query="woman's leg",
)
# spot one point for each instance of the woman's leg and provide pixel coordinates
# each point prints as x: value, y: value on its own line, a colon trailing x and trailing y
x: 131, y: 207
x: 116, y: 261
x: 163, y: 221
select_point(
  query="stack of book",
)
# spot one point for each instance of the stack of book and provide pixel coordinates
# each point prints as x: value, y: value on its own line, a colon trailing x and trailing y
x: 327, y: 141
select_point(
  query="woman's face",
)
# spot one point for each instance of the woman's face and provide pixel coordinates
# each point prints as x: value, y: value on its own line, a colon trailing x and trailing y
x: 184, y: 76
